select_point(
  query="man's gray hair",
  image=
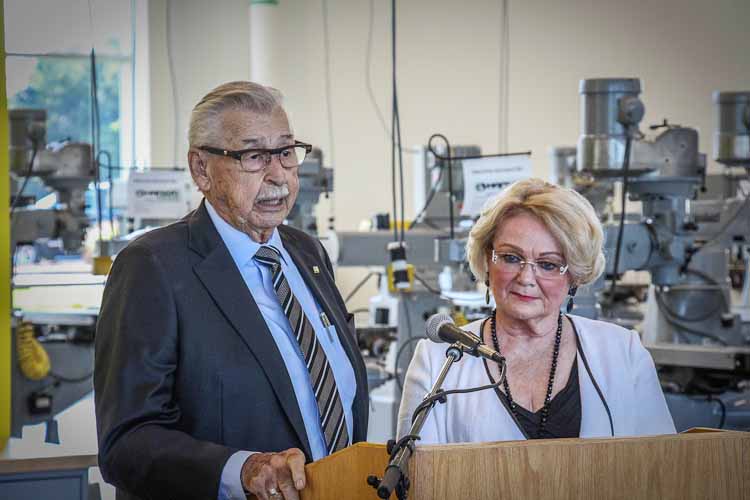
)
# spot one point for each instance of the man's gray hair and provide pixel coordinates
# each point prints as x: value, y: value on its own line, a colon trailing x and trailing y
x: 233, y: 95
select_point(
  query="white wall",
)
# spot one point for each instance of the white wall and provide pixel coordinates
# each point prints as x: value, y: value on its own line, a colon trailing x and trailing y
x: 449, y: 55
x: 208, y: 46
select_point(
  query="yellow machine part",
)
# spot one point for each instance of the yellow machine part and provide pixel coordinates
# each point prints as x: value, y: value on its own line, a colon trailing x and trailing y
x: 33, y: 360
x: 102, y: 265
x: 459, y: 318
x: 391, y: 283
x: 5, y: 339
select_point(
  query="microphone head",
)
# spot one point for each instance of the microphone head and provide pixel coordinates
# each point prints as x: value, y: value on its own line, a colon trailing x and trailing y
x: 434, y: 324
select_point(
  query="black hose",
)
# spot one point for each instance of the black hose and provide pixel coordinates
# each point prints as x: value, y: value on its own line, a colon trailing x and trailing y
x: 401, y: 350
x: 701, y: 317
x: 723, y: 408
x: 449, y: 160
x: 95, y: 138
x: 27, y: 176
x: 620, y: 230
x: 430, y: 196
x: 111, y: 187
x: 675, y: 322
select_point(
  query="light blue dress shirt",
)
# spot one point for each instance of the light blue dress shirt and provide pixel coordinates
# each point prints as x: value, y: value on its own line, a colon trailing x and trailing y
x: 258, y: 280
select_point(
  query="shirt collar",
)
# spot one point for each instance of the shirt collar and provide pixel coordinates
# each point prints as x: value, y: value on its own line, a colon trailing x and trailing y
x: 241, y: 247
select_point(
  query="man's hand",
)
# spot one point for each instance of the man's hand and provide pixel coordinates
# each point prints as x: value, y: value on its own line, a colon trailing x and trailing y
x: 264, y: 474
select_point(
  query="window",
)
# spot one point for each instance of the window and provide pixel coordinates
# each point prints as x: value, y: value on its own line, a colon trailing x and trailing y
x: 48, y: 66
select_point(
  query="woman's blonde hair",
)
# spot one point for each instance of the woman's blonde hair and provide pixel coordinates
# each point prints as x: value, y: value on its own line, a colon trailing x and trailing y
x: 568, y: 216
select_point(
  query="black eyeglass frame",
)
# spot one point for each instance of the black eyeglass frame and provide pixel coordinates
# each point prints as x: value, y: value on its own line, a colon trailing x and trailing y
x: 237, y: 154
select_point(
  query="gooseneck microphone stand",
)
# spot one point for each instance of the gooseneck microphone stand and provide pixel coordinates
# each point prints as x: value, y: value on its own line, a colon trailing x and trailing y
x: 396, y: 475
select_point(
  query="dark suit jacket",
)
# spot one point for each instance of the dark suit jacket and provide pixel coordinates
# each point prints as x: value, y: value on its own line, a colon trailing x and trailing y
x: 186, y: 370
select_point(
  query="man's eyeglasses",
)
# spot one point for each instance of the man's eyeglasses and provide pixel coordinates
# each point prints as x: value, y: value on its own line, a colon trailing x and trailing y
x: 513, y: 264
x: 256, y: 159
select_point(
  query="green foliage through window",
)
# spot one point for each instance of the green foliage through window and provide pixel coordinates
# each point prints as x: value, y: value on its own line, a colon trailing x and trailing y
x: 62, y: 87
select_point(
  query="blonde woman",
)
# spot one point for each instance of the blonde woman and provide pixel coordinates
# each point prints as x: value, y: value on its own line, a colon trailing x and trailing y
x: 567, y: 376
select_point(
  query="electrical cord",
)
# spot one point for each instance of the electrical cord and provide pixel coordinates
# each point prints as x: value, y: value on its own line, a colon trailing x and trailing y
x: 400, y: 352
x: 621, y: 228
x: 449, y: 156
x: 440, y: 395
x: 26, y: 177
x: 430, y: 196
x: 400, y: 166
x: 410, y: 338
x: 368, y: 79
x: 725, y: 227
x: 742, y: 189
x: 691, y: 319
x: 173, y: 83
x: 675, y: 322
x: 723, y: 407
x: 431, y: 225
x: 396, y: 151
x: 504, y: 73
x: 407, y: 318
x: 702, y: 317
x: 358, y: 286
x: 327, y: 77
x: 12, y: 273
x: 393, y: 138
x: 111, y: 185
x: 393, y: 187
x: 329, y: 112
x: 449, y: 159
x: 71, y: 380
x: 95, y: 141
x: 368, y: 64
x: 427, y: 285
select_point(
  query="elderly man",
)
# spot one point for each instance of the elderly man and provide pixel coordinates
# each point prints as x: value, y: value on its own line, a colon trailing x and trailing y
x: 225, y: 357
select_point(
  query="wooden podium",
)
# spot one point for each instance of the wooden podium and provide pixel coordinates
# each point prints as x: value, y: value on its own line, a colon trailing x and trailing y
x: 702, y: 464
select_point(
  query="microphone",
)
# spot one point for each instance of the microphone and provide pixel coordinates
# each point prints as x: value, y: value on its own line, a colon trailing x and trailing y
x: 441, y: 328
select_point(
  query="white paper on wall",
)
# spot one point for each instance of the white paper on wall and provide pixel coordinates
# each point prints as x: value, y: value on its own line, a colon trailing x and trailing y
x: 157, y: 194
x: 485, y: 177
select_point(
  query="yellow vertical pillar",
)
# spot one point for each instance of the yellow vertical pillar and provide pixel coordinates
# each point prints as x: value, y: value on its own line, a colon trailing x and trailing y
x: 5, y: 333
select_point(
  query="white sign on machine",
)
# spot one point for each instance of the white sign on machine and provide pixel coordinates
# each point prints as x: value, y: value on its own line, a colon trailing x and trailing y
x: 485, y: 177
x: 157, y: 194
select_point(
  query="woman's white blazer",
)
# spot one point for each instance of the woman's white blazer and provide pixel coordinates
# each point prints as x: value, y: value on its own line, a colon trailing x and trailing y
x: 619, y: 390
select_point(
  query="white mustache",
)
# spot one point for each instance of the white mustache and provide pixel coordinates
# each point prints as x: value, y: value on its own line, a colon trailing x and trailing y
x: 273, y: 193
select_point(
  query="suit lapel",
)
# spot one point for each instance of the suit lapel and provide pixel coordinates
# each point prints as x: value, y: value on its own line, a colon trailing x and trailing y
x: 219, y: 274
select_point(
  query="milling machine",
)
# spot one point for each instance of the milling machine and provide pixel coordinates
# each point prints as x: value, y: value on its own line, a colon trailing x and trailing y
x: 52, y: 351
x: 698, y: 339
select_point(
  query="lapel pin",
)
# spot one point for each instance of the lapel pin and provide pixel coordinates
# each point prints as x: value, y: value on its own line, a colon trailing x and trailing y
x: 316, y: 270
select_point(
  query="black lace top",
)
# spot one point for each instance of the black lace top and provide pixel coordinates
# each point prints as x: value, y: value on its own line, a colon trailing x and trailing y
x: 564, y: 420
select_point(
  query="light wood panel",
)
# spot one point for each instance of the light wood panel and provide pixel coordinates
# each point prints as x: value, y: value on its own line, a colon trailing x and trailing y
x: 698, y: 465
x: 343, y: 475
x: 692, y: 466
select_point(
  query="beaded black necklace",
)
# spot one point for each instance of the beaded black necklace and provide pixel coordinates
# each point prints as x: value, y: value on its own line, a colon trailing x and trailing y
x: 553, y: 369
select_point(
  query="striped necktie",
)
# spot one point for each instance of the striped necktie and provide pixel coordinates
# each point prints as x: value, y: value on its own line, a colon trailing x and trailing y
x: 327, y: 396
